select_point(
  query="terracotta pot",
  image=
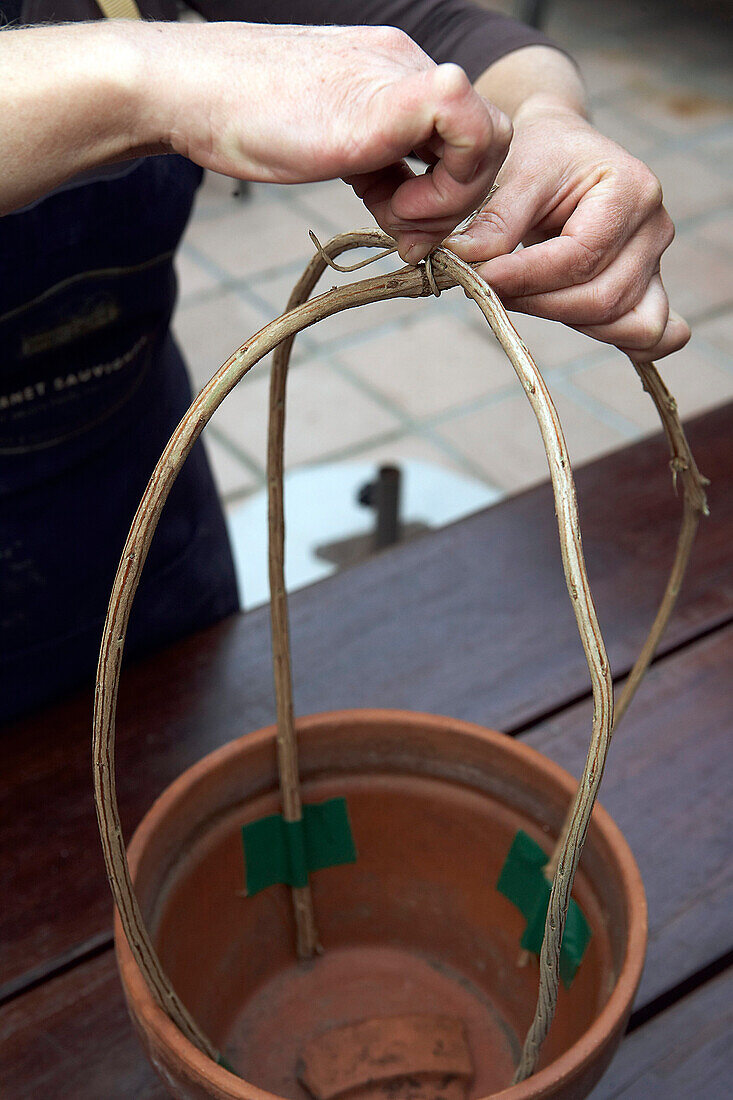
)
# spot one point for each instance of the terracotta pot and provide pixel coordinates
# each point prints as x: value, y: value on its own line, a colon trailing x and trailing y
x: 414, y: 926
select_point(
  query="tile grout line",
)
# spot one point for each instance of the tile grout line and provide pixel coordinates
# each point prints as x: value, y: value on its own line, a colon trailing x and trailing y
x: 226, y: 279
x: 719, y: 356
x: 562, y: 375
x: 236, y: 452
x: 564, y: 378
x: 617, y: 422
x: 407, y: 425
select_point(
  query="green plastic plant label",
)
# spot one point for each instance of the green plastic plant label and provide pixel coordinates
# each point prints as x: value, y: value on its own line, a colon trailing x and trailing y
x: 279, y: 851
x: 523, y: 882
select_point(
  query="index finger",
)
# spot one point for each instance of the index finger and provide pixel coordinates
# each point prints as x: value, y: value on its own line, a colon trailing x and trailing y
x: 591, y: 239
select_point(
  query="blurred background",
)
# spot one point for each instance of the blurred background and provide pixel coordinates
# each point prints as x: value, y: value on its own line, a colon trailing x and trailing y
x: 423, y: 384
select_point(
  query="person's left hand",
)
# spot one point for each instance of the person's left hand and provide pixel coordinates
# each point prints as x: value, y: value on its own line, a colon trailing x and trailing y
x: 594, y: 228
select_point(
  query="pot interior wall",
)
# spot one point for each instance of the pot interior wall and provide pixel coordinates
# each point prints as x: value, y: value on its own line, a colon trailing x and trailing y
x: 414, y: 926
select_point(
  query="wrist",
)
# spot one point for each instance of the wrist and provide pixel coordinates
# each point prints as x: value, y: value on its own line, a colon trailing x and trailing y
x: 534, y: 77
x: 180, y: 68
x: 543, y: 104
x: 135, y: 78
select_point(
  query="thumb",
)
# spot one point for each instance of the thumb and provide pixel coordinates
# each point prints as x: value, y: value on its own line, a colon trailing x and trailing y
x: 510, y: 211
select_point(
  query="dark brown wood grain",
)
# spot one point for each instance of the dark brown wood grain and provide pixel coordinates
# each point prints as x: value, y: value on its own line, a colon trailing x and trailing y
x: 669, y: 786
x: 472, y: 621
x: 71, y: 1036
x: 684, y: 1053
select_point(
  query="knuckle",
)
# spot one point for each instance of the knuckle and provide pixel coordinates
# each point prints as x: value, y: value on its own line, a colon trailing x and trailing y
x: 586, y: 261
x: 522, y: 287
x: 609, y: 304
x: 650, y: 189
x: 651, y: 328
x: 390, y: 39
x: 668, y: 230
x: 494, y: 221
x: 452, y: 81
x: 388, y: 35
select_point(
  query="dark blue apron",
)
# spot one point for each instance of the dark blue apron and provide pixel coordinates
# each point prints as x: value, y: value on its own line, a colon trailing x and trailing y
x: 91, y: 387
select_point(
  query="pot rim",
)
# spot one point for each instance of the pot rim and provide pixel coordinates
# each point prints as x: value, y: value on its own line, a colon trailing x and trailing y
x: 614, y: 1013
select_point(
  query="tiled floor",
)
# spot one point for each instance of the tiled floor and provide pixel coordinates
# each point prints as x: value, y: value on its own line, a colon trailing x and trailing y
x: 425, y: 379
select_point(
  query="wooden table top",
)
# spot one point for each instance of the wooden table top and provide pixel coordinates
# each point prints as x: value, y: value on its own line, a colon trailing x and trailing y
x: 472, y: 621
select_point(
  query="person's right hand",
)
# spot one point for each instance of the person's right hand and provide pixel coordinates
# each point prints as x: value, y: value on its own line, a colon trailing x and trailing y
x: 594, y: 228
x: 294, y: 104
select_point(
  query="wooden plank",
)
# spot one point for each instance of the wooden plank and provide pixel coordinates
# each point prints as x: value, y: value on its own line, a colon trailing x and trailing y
x: 72, y: 1037
x: 669, y: 786
x: 471, y: 621
x: 666, y: 784
x: 684, y: 1052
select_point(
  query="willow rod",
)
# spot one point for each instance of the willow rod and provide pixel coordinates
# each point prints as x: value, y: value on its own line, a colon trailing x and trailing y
x: 446, y: 271
x: 408, y: 283
x: 512, y: 345
x: 307, y: 943
x: 694, y: 507
x: 578, y: 586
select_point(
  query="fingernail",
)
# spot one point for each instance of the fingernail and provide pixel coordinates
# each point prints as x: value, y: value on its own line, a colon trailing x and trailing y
x: 415, y: 253
x: 465, y: 235
x: 454, y: 243
x: 460, y: 243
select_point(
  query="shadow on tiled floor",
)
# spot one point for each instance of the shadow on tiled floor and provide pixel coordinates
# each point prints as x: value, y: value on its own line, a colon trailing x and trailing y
x: 426, y: 379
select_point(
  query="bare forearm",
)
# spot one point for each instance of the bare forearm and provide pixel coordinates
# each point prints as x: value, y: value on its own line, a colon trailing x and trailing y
x: 68, y: 105
x: 285, y: 104
x: 534, y: 73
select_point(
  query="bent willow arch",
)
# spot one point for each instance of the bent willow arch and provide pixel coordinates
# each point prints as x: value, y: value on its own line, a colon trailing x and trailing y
x: 442, y: 272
